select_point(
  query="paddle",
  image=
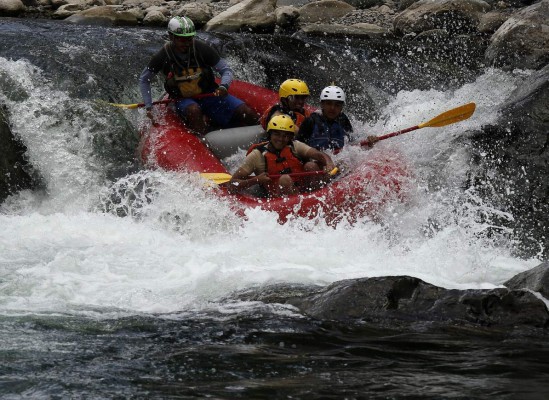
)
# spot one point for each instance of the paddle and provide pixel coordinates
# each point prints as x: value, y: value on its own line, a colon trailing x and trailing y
x: 220, y: 178
x: 452, y: 116
x: 165, y: 101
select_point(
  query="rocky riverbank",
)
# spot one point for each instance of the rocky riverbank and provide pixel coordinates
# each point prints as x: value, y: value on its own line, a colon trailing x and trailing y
x: 517, y: 30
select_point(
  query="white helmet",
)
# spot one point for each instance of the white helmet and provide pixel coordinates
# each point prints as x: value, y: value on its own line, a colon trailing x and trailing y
x: 332, y: 93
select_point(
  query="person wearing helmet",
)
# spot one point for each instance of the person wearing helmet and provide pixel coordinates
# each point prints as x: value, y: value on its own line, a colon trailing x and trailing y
x: 293, y: 94
x: 328, y: 127
x: 280, y: 155
x: 189, y: 66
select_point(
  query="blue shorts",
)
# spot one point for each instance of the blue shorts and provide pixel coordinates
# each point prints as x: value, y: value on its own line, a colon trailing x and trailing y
x: 219, y: 109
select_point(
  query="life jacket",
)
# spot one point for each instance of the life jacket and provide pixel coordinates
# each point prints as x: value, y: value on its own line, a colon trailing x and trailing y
x: 326, y: 135
x: 296, y: 116
x: 186, y: 77
x: 284, y: 162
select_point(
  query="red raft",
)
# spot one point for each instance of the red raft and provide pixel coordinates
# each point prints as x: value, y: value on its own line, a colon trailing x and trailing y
x: 364, y: 190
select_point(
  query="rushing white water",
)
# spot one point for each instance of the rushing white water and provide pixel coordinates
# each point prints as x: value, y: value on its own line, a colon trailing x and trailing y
x: 178, y: 247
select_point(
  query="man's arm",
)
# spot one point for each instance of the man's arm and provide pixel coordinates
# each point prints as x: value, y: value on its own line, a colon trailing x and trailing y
x: 146, y: 77
x: 145, y: 80
x: 223, y: 69
x: 323, y: 158
x: 241, y: 178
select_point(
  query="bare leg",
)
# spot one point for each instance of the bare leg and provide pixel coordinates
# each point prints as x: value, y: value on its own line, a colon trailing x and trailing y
x: 286, y: 186
x: 311, y: 166
x: 245, y: 116
x: 195, y: 119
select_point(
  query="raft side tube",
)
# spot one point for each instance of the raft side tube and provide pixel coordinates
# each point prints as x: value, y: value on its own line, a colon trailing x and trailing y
x: 226, y: 142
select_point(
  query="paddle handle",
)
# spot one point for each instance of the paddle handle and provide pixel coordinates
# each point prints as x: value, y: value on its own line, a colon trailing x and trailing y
x: 390, y: 135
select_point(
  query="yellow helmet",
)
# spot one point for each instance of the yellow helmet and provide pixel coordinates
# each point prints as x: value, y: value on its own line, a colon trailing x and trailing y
x: 293, y: 87
x: 281, y: 123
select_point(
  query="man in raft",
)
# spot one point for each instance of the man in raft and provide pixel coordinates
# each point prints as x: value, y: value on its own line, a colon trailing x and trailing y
x: 189, y: 65
x: 293, y: 95
x: 280, y: 156
x: 327, y: 128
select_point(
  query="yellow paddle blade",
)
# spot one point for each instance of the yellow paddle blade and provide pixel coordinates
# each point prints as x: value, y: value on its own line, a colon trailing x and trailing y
x: 449, y: 117
x: 216, y: 177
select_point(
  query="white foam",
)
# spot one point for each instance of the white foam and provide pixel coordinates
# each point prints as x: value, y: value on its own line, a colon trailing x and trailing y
x: 179, y: 247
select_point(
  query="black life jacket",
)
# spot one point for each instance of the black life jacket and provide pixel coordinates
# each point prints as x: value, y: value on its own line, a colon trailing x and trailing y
x: 326, y: 135
x: 187, y: 77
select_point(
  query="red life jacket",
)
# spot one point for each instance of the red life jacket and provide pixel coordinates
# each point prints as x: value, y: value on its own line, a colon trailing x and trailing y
x: 296, y: 116
x: 284, y: 162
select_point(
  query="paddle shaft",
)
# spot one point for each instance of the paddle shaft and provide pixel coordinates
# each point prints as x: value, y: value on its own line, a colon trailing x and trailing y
x: 222, y: 177
x: 390, y: 135
x: 452, y: 116
x: 164, y: 101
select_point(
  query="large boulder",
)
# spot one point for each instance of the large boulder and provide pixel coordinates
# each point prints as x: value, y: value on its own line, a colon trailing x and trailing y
x: 9, y: 8
x: 404, y: 302
x: 104, y: 15
x: 513, y: 155
x: 15, y: 172
x: 454, y: 16
x: 199, y: 13
x: 523, y: 39
x: 254, y: 15
x: 535, y: 279
x: 323, y: 11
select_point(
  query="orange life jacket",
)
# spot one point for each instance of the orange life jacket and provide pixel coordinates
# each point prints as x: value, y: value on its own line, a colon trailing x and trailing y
x: 296, y: 116
x: 284, y: 162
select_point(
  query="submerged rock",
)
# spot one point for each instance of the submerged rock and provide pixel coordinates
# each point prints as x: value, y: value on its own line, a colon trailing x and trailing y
x: 403, y: 302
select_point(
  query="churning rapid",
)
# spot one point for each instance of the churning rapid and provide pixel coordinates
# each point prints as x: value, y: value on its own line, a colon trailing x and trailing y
x: 102, y: 238
x: 65, y: 249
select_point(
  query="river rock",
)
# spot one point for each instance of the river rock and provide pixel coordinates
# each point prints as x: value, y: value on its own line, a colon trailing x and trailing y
x: 286, y: 16
x: 513, y: 155
x: 9, y: 8
x: 249, y: 14
x: 106, y: 15
x: 407, y: 302
x: 492, y: 20
x: 535, y: 279
x: 523, y: 40
x: 154, y: 17
x: 362, y: 30
x: 199, y: 13
x: 15, y: 172
x: 454, y: 16
x: 323, y: 11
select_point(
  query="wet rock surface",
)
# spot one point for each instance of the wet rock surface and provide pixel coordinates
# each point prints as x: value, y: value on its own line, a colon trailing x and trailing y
x: 407, y: 303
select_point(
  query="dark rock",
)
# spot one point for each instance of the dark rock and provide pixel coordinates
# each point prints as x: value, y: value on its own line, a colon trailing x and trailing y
x: 517, y: 150
x: 522, y: 41
x: 404, y: 302
x: 15, y: 172
x: 535, y: 279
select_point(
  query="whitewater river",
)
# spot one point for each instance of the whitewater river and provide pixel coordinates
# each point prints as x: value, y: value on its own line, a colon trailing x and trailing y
x: 98, y: 305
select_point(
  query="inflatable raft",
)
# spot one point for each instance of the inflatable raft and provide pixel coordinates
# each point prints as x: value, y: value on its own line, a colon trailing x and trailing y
x: 363, y: 191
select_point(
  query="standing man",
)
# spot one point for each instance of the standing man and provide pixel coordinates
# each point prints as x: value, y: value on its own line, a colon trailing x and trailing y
x: 189, y: 65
